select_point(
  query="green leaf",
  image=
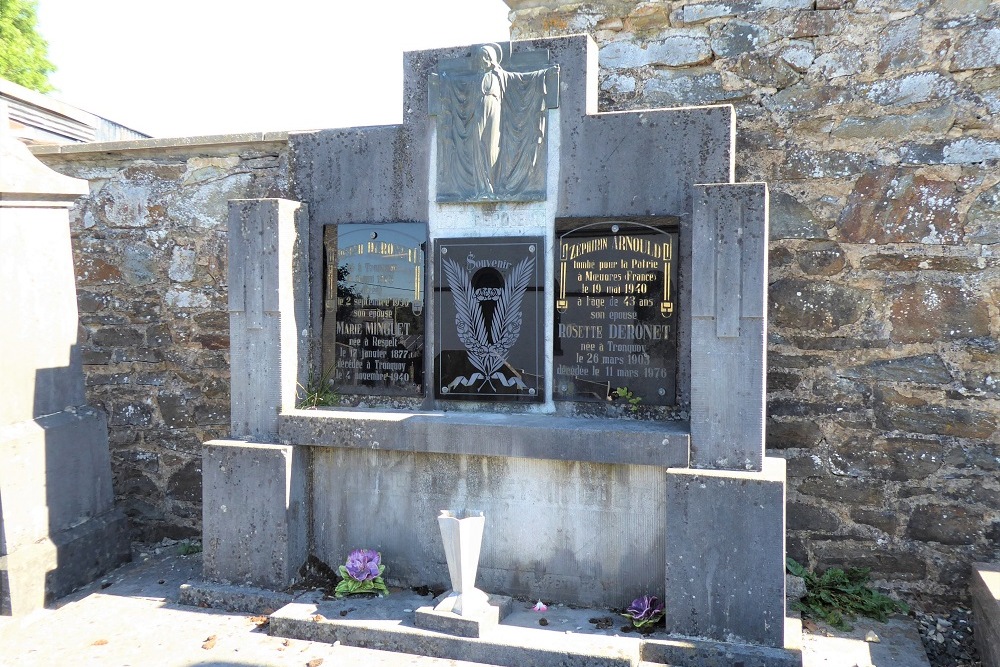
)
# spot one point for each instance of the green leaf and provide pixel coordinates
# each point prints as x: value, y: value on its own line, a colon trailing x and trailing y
x: 794, y: 567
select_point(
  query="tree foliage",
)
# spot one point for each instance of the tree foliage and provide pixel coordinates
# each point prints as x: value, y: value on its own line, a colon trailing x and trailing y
x: 23, y: 52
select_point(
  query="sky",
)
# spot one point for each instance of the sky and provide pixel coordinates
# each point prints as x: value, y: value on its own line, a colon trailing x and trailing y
x: 199, y: 67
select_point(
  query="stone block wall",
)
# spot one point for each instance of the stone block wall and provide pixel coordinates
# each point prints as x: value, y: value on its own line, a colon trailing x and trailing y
x: 149, y: 246
x: 874, y: 124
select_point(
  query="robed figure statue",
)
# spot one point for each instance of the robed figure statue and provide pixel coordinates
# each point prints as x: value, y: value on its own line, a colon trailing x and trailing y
x: 491, y: 127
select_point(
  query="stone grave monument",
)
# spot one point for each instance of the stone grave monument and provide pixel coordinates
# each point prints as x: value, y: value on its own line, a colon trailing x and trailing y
x: 59, y: 528
x: 550, y: 314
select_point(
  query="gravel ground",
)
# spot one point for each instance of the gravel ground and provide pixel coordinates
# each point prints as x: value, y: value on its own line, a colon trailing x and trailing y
x: 949, y: 640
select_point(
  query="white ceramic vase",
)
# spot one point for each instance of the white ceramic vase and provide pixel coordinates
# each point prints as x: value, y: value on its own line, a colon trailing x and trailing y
x: 462, y: 534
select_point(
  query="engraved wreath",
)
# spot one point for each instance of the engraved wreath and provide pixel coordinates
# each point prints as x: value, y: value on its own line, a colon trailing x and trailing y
x: 488, y: 349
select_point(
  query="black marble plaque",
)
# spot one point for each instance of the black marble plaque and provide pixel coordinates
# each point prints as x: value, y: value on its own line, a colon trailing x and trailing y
x: 616, y: 311
x: 489, y: 299
x: 373, y: 315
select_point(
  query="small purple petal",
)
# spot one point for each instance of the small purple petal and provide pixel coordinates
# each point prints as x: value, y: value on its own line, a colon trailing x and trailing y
x: 645, y: 608
x: 363, y: 564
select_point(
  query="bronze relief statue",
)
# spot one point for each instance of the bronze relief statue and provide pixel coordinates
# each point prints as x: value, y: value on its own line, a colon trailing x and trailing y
x: 491, y: 125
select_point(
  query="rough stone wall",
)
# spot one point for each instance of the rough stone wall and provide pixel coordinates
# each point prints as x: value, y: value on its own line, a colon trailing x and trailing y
x: 874, y: 123
x: 150, y: 253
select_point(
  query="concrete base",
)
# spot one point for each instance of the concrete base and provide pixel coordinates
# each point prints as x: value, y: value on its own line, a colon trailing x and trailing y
x: 37, y: 574
x: 430, y: 618
x: 243, y: 599
x: 560, y: 636
x: 726, y: 554
x: 985, y: 590
x: 254, y: 513
x: 58, y: 527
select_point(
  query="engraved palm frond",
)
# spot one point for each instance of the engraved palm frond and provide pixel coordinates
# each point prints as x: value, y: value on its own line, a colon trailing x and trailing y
x: 506, y: 325
x: 469, y: 323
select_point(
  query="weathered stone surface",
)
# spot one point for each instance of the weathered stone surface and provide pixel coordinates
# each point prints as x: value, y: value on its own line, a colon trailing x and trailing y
x: 924, y: 369
x: 848, y: 490
x: 670, y: 88
x: 900, y: 45
x: 750, y: 581
x: 842, y: 392
x: 934, y: 121
x: 822, y: 259
x: 983, y: 221
x: 895, y: 205
x: 925, y: 312
x: 910, y: 262
x: 912, y: 89
x: 779, y: 381
x: 786, y: 434
x: 967, y: 150
x: 885, y: 521
x: 804, y: 516
x: 676, y: 48
x: 799, y: 55
x: 820, y: 306
x: 807, y: 163
x: 894, y: 459
x: 766, y: 70
x: 737, y: 37
x: 978, y: 48
x: 816, y: 24
x: 696, y: 13
x: 185, y: 484
x: 801, y: 98
x: 791, y: 219
x: 936, y: 420
x: 885, y: 564
x: 845, y: 61
x: 947, y: 524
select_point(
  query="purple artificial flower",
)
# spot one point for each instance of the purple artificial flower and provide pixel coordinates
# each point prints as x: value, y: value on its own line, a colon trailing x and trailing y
x: 646, y: 609
x: 363, y: 564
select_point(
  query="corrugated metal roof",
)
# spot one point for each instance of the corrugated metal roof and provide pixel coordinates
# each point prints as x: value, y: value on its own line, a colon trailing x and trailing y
x: 36, y: 118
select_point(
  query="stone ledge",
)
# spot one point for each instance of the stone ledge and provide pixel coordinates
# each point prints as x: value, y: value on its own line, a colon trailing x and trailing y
x: 610, y: 441
x: 170, y: 142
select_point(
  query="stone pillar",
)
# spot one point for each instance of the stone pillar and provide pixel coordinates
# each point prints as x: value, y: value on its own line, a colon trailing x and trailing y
x: 728, y: 325
x: 59, y: 529
x: 268, y: 312
x: 726, y: 514
x: 254, y: 494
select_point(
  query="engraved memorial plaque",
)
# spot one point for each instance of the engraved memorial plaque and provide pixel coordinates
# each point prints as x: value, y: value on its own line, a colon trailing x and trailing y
x: 373, y: 314
x: 616, y: 311
x: 489, y: 300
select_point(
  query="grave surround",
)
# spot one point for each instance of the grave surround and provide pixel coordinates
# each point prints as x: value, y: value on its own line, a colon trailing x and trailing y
x: 567, y: 519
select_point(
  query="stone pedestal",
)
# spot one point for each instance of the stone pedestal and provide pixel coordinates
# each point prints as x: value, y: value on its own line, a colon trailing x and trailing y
x: 476, y: 624
x: 58, y: 527
x: 254, y: 513
x: 725, y: 554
